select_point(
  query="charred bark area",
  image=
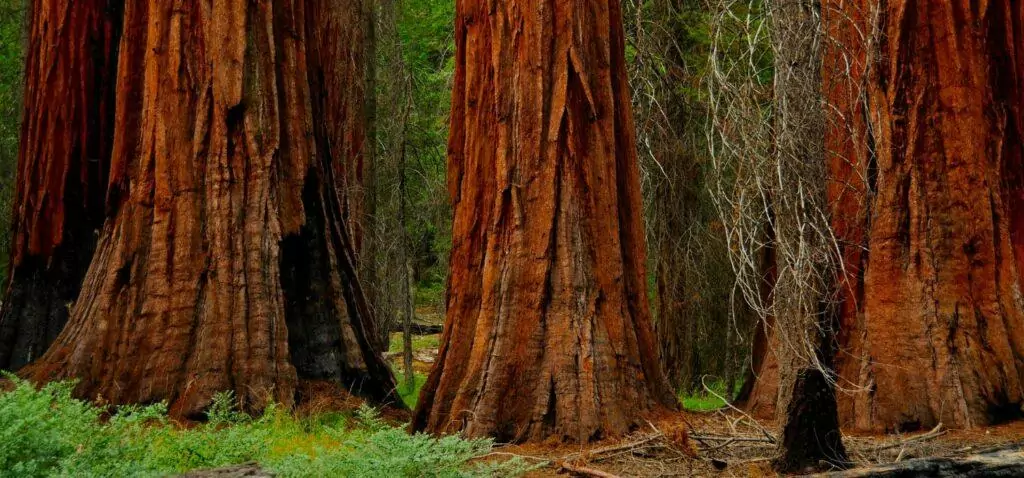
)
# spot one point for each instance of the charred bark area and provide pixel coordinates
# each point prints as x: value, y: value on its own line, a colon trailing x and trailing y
x: 548, y: 331
x: 330, y: 334
x: 220, y: 188
x: 811, y: 439
x: 39, y: 298
x: 66, y: 140
x: 314, y: 333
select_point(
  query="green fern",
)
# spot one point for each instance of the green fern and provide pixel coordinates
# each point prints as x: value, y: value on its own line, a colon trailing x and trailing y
x: 46, y: 432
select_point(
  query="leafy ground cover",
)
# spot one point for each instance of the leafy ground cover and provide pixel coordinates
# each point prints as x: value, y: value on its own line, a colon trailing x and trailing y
x: 46, y: 432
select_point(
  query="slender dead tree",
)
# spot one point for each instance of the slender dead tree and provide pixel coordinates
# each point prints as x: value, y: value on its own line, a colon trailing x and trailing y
x: 777, y: 202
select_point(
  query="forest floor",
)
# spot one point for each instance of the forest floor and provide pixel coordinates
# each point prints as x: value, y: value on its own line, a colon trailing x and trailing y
x: 706, y: 439
x: 727, y: 443
x: 45, y: 432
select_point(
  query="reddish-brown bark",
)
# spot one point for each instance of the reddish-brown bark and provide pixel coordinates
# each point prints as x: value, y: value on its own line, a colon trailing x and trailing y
x: 66, y: 138
x: 548, y: 331
x: 933, y: 323
x: 338, y: 60
x: 760, y: 390
x: 226, y: 263
x: 943, y: 314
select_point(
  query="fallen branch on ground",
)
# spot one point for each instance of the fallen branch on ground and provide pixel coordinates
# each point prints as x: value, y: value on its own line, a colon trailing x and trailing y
x: 738, y: 439
x: 585, y: 471
x: 1005, y: 462
x: 935, y: 433
x: 614, y: 448
x: 762, y: 429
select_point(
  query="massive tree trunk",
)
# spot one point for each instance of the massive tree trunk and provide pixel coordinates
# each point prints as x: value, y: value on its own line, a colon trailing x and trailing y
x: 851, y: 169
x: 226, y: 263
x: 340, y: 60
x: 66, y: 138
x: 933, y: 322
x: 943, y: 335
x: 548, y: 328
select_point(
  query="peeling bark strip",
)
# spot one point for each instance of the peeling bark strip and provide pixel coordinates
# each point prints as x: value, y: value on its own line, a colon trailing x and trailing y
x: 66, y: 139
x: 548, y: 331
x: 222, y: 187
x: 934, y: 319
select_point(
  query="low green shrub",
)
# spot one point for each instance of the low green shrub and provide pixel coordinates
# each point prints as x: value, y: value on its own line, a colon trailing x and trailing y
x: 46, y: 432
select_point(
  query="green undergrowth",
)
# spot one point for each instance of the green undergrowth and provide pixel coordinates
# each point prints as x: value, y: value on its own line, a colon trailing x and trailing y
x: 46, y: 432
x: 411, y: 396
x: 703, y: 400
x: 419, y: 342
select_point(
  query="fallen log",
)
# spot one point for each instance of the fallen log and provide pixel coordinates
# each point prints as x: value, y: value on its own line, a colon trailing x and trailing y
x: 245, y: 470
x: 1003, y: 462
x: 577, y: 470
x: 419, y: 329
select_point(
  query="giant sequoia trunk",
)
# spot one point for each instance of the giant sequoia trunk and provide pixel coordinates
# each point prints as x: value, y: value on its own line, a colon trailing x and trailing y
x: 933, y: 323
x: 548, y: 331
x: 66, y: 139
x: 943, y: 327
x: 226, y: 263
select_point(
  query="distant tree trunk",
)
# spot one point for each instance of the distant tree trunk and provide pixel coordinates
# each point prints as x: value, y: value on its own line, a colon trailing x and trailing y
x: 676, y: 331
x: 548, y: 331
x: 759, y: 393
x: 66, y: 138
x: 408, y: 310
x: 665, y: 118
x: 227, y: 263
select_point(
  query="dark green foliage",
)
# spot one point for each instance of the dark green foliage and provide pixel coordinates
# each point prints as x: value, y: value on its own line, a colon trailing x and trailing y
x: 425, y: 28
x: 12, y: 17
